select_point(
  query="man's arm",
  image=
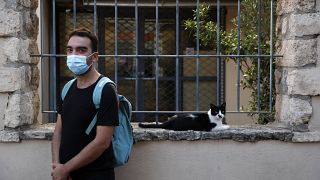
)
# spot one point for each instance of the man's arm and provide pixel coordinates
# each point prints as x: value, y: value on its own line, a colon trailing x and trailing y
x: 88, y: 154
x: 55, y: 143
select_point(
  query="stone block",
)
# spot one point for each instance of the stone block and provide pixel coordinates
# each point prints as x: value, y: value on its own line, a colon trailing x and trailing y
x: 298, y: 53
x: 10, y: 22
x: 9, y: 136
x: 280, y: 80
x: 284, y: 26
x: 18, y: 50
x: 3, y: 105
x: 12, y: 79
x: 290, y: 6
x: 3, y: 58
x: 2, y: 5
x: 20, y: 4
x: 293, y: 111
x: 21, y: 110
x: 31, y: 24
x: 306, y: 137
x: 318, y: 50
x: 303, y: 25
x: 314, y: 124
x: 304, y: 81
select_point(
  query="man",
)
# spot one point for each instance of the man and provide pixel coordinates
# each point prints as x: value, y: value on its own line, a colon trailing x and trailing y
x: 76, y: 155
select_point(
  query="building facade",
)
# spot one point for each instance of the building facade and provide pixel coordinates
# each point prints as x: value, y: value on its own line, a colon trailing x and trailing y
x: 25, y: 135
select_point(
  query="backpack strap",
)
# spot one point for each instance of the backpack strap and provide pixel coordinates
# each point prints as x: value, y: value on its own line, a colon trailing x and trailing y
x: 125, y: 107
x: 96, y: 97
x: 66, y: 87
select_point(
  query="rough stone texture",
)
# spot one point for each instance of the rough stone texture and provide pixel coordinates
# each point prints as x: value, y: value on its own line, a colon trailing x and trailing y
x: 303, y: 25
x: 306, y: 137
x: 19, y: 74
x: 293, y: 111
x: 20, y: 4
x: 17, y: 50
x: 12, y: 79
x: 318, y: 51
x: 281, y: 80
x: 31, y: 24
x: 11, y: 24
x: 35, y: 78
x: 304, y: 81
x: 236, y: 133
x: 290, y: 6
x: 283, y: 27
x: 9, y: 136
x: 298, y: 53
x: 314, y: 124
x: 41, y: 132
x: 3, y: 105
x: 20, y: 110
x: 297, y: 75
x: 2, y: 4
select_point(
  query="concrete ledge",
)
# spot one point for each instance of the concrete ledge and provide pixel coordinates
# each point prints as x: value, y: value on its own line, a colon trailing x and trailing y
x: 306, y: 137
x: 236, y: 133
x: 239, y: 133
x: 9, y: 136
x: 44, y: 132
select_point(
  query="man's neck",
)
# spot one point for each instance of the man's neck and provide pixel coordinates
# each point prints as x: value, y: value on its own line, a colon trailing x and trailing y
x: 88, y: 79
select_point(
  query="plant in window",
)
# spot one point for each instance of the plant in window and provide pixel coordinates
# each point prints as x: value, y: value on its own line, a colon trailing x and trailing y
x: 248, y: 46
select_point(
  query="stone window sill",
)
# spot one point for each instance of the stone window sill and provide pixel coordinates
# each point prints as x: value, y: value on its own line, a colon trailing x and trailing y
x: 236, y: 133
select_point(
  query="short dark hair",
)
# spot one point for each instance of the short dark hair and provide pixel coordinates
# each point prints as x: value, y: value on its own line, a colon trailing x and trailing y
x: 82, y: 32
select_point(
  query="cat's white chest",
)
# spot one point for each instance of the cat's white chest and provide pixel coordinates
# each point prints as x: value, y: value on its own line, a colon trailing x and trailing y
x: 217, y: 119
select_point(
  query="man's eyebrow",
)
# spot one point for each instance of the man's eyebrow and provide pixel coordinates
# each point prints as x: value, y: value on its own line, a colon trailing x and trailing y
x: 79, y: 47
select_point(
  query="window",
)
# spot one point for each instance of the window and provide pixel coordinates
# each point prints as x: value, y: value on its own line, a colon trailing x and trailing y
x: 145, y: 48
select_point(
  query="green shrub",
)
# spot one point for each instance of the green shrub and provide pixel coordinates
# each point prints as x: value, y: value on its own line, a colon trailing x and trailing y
x: 248, y: 46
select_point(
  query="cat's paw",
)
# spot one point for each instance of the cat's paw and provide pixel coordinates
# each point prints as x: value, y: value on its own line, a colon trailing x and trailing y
x: 222, y: 127
x: 226, y: 126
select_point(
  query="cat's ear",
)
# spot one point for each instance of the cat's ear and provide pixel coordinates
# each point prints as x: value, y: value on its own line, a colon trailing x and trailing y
x: 212, y: 106
x: 223, y: 104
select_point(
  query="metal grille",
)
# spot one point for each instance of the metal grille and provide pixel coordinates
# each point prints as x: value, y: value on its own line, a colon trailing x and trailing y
x: 144, y: 48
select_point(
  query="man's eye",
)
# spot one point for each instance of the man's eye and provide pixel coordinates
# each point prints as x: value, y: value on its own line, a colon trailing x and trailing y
x: 82, y: 50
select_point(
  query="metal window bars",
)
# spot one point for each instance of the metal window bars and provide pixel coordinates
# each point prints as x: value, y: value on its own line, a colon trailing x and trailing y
x: 177, y: 56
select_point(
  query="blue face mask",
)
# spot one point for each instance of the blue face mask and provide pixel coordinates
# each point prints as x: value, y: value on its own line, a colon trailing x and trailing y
x: 78, y: 64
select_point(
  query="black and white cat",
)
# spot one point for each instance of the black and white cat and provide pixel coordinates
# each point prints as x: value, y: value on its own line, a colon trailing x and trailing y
x: 198, y: 122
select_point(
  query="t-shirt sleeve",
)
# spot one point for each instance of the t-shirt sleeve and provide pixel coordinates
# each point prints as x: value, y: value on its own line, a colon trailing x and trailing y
x: 108, y: 111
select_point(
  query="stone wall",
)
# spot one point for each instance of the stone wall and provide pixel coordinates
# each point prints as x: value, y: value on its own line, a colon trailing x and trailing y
x: 298, y: 71
x: 19, y: 75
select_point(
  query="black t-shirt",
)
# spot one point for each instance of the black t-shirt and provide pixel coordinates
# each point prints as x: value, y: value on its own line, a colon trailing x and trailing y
x: 77, y: 111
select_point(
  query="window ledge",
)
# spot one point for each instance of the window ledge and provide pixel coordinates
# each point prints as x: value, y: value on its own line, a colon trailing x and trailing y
x: 236, y: 133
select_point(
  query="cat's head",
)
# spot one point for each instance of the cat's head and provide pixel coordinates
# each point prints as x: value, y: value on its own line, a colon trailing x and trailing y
x: 218, y: 111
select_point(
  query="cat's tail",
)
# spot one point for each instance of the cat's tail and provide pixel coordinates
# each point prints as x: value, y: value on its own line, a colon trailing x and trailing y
x: 144, y: 125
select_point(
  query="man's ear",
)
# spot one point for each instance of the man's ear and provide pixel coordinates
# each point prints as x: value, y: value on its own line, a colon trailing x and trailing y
x: 95, y: 57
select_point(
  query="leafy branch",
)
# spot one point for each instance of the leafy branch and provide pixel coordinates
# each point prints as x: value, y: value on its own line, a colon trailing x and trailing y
x: 248, y: 46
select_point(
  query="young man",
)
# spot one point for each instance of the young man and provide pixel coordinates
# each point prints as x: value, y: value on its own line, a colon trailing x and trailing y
x: 76, y: 155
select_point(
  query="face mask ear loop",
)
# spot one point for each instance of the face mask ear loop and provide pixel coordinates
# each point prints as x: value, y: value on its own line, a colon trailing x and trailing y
x: 93, y: 62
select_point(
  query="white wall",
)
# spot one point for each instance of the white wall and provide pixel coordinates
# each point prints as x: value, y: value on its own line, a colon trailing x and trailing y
x: 29, y: 160
x: 231, y: 97
x: 182, y: 160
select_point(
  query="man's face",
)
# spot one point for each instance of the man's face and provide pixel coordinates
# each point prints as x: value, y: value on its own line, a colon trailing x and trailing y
x: 79, y: 46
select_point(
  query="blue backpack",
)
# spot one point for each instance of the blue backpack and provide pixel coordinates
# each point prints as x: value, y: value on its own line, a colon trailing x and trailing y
x: 122, y: 140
